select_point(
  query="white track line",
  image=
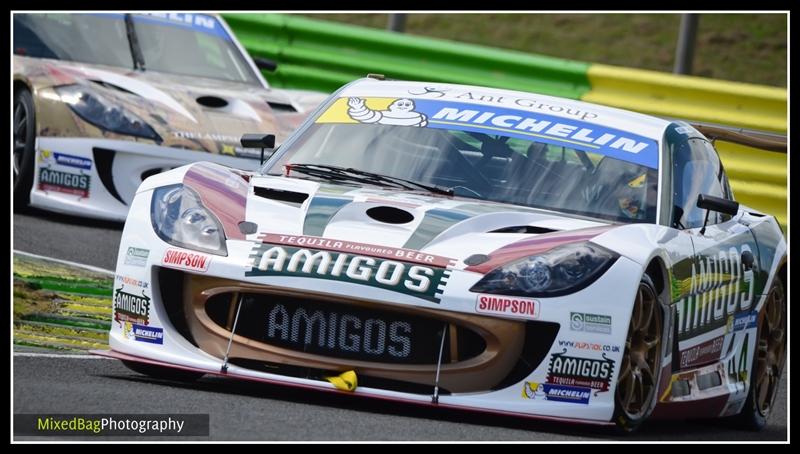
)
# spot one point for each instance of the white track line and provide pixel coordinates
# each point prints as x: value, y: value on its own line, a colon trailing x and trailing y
x: 55, y: 355
x: 66, y: 262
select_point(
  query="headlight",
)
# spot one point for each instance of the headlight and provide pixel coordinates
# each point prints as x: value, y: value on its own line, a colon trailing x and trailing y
x: 559, y: 271
x: 180, y: 218
x: 99, y: 111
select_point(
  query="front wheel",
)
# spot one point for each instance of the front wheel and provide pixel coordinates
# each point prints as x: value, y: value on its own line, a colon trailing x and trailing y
x: 635, y: 395
x: 23, y: 147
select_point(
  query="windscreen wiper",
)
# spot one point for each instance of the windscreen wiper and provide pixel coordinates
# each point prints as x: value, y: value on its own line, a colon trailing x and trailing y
x: 324, y: 171
x: 368, y: 177
x: 408, y: 184
x: 133, y: 42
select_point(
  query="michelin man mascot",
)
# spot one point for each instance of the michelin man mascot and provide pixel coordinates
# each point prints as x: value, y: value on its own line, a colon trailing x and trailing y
x: 400, y: 113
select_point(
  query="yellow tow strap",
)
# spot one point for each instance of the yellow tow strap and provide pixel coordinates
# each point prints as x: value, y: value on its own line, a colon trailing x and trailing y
x: 346, y: 381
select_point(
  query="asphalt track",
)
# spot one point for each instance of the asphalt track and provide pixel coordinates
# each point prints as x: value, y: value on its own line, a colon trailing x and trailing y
x: 248, y: 411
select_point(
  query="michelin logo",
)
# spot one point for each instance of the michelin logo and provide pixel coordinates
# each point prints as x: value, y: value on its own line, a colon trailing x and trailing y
x: 533, y: 390
x: 616, y: 143
x: 556, y: 393
x: 400, y: 113
x: 544, y: 127
x: 142, y: 333
x: 73, y: 161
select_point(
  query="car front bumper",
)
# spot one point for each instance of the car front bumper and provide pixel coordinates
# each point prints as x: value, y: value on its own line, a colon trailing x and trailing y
x: 189, y: 338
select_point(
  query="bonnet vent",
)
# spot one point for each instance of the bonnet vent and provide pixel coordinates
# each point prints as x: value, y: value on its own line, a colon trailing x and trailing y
x: 280, y: 195
x: 111, y: 86
x: 390, y: 215
x: 524, y: 229
x: 281, y: 107
x: 214, y: 102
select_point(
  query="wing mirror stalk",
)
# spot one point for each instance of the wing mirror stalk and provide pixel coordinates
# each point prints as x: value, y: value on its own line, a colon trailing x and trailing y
x: 711, y: 203
x: 265, y: 64
x: 258, y: 141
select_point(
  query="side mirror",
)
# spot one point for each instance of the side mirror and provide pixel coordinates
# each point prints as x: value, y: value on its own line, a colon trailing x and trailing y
x: 710, y: 203
x: 258, y: 141
x: 726, y: 206
x: 265, y: 63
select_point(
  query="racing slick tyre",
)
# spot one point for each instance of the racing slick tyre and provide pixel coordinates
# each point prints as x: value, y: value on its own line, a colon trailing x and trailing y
x: 165, y: 373
x: 23, y: 148
x: 635, y: 395
x: 767, y: 370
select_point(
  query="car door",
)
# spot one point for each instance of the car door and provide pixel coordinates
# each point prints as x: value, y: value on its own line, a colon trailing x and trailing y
x: 720, y: 274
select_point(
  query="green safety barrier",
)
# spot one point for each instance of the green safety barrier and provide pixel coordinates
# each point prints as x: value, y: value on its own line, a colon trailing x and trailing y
x: 321, y: 55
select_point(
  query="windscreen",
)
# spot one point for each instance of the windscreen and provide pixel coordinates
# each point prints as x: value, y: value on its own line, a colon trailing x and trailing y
x: 489, y: 153
x: 188, y: 44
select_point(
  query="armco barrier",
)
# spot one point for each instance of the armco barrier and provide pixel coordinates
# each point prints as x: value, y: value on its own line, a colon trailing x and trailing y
x: 322, y: 55
x: 758, y: 178
x: 668, y: 95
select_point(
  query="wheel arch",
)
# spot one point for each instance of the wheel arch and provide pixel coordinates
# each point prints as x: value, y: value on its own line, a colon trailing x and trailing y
x: 782, y: 272
x: 23, y: 83
x: 659, y: 273
x: 657, y: 270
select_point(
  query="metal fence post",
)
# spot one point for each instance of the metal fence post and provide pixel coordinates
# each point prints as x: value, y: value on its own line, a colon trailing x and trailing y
x: 397, y: 23
x: 684, y: 52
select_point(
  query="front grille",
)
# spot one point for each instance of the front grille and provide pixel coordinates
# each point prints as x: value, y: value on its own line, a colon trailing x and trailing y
x: 306, y: 333
x: 345, y: 331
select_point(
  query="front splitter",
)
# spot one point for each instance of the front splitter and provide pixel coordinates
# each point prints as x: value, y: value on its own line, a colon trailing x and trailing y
x: 327, y: 387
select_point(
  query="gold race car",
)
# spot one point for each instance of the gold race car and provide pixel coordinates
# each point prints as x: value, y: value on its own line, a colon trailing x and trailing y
x: 102, y: 101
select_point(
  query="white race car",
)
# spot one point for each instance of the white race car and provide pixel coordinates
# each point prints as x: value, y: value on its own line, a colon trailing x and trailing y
x: 102, y: 101
x: 465, y: 247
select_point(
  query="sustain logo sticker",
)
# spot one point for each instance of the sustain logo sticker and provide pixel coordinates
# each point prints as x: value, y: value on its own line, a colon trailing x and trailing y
x: 489, y: 119
x: 590, y: 323
x: 136, y: 256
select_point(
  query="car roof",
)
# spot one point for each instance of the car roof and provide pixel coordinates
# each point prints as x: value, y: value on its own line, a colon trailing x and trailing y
x: 645, y: 125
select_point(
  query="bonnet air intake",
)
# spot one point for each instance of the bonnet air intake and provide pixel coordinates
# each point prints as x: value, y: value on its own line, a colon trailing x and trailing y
x: 280, y: 195
x: 213, y: 102
x: 281, y: 107
x: 524, y: 229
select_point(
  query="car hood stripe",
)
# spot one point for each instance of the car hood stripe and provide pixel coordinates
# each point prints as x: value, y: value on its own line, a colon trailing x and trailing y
x: 320, y: 211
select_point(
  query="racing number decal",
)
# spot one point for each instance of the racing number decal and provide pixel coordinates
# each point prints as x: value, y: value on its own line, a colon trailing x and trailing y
x: 737, y: 364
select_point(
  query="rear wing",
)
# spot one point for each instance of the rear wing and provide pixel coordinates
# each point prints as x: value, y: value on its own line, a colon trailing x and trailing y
x: 756, y: 139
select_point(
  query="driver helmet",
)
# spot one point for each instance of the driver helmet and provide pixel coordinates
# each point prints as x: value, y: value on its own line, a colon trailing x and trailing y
x: 632, y: 196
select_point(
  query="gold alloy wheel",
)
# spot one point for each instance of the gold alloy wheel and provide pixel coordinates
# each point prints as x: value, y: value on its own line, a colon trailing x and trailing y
x: 771, y: 351
x: 641, y: 362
